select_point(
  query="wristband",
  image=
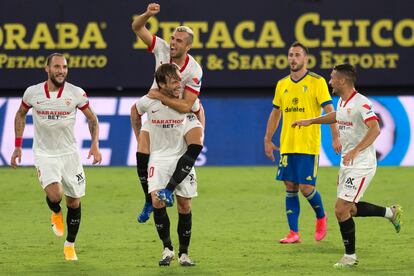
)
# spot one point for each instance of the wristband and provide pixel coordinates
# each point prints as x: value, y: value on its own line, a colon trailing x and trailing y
x: 18, y: 142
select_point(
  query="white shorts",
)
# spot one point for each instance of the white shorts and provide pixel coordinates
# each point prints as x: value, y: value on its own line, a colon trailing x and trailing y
x: 66, y: 169
x: 352, y: 183
x: 160, y: 172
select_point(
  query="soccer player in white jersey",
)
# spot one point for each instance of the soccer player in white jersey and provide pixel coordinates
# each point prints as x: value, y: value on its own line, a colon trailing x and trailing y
x: 191, y: 73
x: 56, y: 156
x: 358, y: 128
x: 176, y: 140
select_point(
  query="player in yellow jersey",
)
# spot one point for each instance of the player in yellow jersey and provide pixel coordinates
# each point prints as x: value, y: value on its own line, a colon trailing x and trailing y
x: 300, y: 95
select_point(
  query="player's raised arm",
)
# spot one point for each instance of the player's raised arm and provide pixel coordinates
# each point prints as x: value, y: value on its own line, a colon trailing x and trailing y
x: 19, y: 125
x: 138, y: 24
x: 94, y: 130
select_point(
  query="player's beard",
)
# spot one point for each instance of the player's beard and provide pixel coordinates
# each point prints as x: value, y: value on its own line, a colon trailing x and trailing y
x: 336, y: 92
x: 55, y: 81
x: 299, y: 66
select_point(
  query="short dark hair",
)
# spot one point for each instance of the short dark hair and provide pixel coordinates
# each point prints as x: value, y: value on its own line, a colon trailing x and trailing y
x: 166, y: 70
x: 348, y: 71
x: 50, y: 57
x: 298, y: 44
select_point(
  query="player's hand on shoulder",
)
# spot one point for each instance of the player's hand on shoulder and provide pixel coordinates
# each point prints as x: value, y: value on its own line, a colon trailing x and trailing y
x: 153, y: 8
x: 17, y: 154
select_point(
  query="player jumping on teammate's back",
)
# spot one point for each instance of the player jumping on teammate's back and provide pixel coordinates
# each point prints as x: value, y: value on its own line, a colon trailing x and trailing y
x: 191, y: 73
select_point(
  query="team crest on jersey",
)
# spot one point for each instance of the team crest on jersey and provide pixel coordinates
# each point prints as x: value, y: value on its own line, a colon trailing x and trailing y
x: 295, y: 101
x: 348, y: 110
x: 68, y: 101
x: 305, y: 88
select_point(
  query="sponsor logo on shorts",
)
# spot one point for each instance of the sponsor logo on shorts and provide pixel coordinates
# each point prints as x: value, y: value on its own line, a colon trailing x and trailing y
x: 349, y: 183
x: 192, y: 179
x: 80, y: 178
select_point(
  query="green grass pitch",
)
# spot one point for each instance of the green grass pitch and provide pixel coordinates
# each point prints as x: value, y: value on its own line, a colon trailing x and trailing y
x: 238, y: 219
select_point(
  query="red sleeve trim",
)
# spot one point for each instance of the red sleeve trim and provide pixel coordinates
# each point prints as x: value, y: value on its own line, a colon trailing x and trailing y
x: 84, y: 107
x: 151, y: 47
x: 192, y: 90
x: 25, y: 105
x: 371, y: 118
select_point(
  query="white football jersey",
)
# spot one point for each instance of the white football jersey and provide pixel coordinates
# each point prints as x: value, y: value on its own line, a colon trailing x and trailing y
x: 351, y: 117
x: 191, y: 72
x: 167, y: 128
x: 54, y: 116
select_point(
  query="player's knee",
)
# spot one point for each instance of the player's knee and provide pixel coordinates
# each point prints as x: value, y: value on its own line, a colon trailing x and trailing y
x: 341, y: 211
x: 290, y: 186
x: 184, y: 209
x: 183, y: 205
x: 306, y: 189
x: 54, y: 192
x: 156, y: 203
x: 73, y: 203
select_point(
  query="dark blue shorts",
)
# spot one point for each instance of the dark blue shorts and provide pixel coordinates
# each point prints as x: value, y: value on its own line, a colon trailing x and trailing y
x: 298, y: 168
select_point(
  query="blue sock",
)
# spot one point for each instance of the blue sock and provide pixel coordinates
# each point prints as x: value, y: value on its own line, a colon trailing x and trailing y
x: 315, y: 201
x: 292, y: 210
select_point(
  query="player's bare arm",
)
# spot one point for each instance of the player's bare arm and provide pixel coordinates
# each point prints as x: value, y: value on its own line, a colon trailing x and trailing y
x: 19, y: 125
x: 336, y: 143
x: 94, y: 130
x: 329, y: 118
x: 369, y: 138
x: 272, y: 124
x: 201, y: 116
x: 135, y: 121
x: 138, y: 24
x: 181, y: 105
